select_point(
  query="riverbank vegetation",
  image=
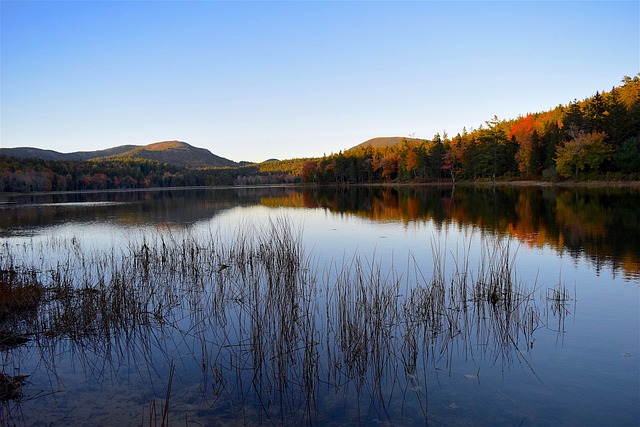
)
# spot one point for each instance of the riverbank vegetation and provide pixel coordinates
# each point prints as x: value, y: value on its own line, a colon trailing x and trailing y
x: 597, y: 138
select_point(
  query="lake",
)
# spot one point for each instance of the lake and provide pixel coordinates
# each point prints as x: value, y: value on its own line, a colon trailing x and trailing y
x: 330, y: 306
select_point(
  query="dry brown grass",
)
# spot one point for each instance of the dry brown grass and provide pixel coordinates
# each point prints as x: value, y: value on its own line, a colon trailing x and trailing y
x: 19, y: 291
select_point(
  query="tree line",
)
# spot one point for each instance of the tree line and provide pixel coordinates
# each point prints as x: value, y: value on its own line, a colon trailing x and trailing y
x: 596, y: 138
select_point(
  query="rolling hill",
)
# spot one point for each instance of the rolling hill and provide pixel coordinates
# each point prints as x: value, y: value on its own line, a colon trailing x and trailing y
x: 37, y: 153
x: 386, y: 141
x: 176, y: 153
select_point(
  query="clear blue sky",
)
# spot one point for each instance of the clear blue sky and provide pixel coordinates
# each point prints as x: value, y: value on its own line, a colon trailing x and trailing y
x: 250, y: 81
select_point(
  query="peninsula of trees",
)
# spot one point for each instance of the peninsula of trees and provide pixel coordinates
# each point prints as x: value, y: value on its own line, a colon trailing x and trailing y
x: 595, y: 138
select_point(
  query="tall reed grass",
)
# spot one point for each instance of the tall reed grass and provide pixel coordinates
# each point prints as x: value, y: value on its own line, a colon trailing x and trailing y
x: 273, y: 332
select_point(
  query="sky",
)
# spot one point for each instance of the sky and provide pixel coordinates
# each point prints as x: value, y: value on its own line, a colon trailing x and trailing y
x: 257, y: 80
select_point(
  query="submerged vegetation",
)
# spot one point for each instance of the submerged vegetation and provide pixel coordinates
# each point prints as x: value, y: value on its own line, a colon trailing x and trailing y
x: 266, y: 332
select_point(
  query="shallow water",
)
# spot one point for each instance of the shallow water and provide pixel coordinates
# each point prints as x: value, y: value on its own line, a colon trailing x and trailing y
x: 351, y: 342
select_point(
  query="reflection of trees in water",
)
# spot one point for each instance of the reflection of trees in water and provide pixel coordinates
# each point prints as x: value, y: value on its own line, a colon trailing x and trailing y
x: 272, y: 335
x: 124, y: 208
x: 601, y: 224
x: 604, y: 225
x: 180, y: 207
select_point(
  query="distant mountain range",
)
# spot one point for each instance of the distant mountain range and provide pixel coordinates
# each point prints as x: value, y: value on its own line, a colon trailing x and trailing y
x: 176, y: 153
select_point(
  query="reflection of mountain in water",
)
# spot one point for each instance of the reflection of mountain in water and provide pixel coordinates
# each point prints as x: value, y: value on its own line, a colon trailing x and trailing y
x: 129, y: 209
x: 602, y: 224
x: 31, y: 213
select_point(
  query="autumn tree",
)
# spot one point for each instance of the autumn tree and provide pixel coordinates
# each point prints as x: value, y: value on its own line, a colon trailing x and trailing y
x: 525, y: 136
x: 389, y: 165
x: 412, y: 162
x: 454, y: 155
x: 582, y: 151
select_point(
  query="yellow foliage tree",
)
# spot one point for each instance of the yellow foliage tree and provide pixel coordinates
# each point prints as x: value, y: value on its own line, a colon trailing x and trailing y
x: 582, y: 151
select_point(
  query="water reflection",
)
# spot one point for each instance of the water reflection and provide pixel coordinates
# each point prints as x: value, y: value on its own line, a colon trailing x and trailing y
x: 601, y: 224
x: 265, y: 335
x: 182, y: 208
x: 255, y: 331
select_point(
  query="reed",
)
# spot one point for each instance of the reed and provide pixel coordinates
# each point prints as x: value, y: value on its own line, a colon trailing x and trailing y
x: 20, y: 290
x: 558, y: 305
x: 272, y: 330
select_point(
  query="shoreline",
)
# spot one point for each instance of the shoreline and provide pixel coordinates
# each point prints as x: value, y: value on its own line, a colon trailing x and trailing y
x: 566, y: 184
x: 546, y: 184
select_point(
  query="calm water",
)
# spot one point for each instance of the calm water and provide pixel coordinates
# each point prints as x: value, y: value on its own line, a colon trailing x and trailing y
x: 186, y: 291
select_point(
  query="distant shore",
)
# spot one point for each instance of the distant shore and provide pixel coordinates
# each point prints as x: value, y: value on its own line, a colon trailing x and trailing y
x: 560, y: 184
x: 600, y: 184
x: 565, y: 184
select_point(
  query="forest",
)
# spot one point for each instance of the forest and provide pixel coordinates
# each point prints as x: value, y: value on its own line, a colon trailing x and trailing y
x: 597, y: 138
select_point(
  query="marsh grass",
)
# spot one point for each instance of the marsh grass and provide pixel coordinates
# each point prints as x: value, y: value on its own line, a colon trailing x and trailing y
x: 20, y: 291
x: 558, y: 305
x: 272, y: 333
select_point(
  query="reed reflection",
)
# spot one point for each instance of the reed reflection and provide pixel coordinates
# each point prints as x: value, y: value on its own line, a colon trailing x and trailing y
x: 265, y: 333
x: 600, y: 224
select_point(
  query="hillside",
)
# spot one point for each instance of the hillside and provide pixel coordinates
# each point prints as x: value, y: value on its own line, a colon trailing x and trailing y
x: 175, y: 153
x: 386, y: 141
x: 37, y: 153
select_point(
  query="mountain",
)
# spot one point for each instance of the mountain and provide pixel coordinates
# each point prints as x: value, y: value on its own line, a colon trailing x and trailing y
x: 176, y: 153
x: 88, y: 155
x: 385, y: 141
x: 37, y: 153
